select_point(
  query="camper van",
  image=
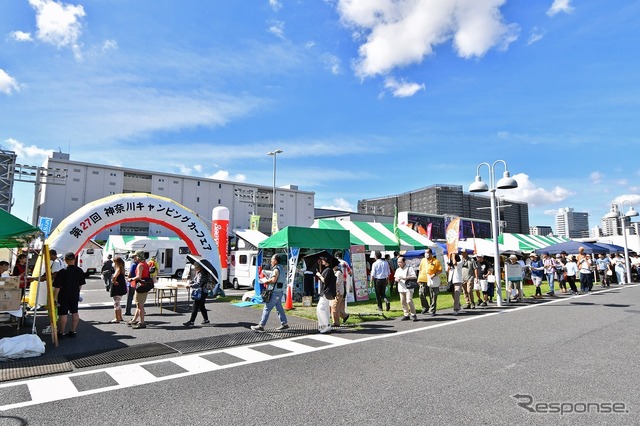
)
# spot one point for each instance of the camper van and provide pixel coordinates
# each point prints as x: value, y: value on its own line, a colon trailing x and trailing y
x: 90, y: 259
x: 171, y: 252
x: 242, y: 268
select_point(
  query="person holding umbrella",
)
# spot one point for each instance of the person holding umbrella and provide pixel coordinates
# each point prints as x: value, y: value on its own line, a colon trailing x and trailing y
x: 202, y: 281
x: 278, y: 278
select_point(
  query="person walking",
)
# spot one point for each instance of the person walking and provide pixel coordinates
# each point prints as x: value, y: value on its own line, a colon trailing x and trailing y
x: 482, y: 272
x: 66, y: 291
x: 404, y: 273
x: 468, y: 278
x: 131, y: 286
x: 586, y: 275
x: 379, y: 275
x: 537, y: 272
x: 455, y: 277
x: 619, y: 268
x: 118, y: 287
x: 549, y: 271
x: 429, y: 280
x: 276, y: 281
x: 107, y: 272
x: 327, y: 293
x: 202, y: 281
x: 604, y: 266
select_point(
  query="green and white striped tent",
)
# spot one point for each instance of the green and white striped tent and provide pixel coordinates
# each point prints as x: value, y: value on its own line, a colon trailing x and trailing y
x: 377, y: 236
x: 528, y: 243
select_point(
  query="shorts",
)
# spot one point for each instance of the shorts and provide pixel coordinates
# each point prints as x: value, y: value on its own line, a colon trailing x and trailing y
x: 484, y: 284
x: 140, y: 298
x: 536, y: 280
x: 68, y: 307
x: 517, y: 285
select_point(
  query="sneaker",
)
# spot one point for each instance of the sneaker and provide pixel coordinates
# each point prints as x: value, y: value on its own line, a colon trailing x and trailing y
x: 455, y: 312
x: 205, y: 322
x: 60, y: 335
x: 187, y: 324
x: 388, y: 306
x: 468, y: 306
x: 415, y: 318
x: 473, y: 306
x: 550, y: 293
x: 71, y: 333
x: 345, y: 319
x: 424, y: 311
x: 432, y: 314
x: 283, y: 327
x: 405, y: 318
x: 258, y: 328
x: 325, y: 330
x: 483, y: 304
x: 131, y: 323
x: 140, y: 325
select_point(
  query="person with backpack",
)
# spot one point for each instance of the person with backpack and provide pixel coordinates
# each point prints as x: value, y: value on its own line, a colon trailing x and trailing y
x: 200, y: 286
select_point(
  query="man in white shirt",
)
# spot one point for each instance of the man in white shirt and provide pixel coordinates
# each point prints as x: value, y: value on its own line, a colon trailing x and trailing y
x: 379, y: 275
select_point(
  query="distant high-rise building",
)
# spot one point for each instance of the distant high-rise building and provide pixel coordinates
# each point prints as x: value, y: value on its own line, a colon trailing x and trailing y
x: 611, y: 225
x: 451, y: 200
x: 572, y: 224
x: 540, y: 230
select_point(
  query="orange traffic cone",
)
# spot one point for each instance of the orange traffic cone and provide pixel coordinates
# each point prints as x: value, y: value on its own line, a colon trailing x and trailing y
x: 289, y: 303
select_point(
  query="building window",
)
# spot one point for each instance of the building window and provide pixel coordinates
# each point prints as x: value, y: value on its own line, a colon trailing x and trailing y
x: 76, y: 179
x: 197, y: 199
x: 219, y: 186
x: 112, y: 184
x: 176, y: 182
x: 74, y: 199
x: 95, y: 172
x: 76, y: 170
x: 198, y: 183
x: 219, y: 201
x: 160, y: 188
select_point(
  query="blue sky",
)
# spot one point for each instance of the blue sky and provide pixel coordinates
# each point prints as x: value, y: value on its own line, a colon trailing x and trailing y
x: 366, y: 98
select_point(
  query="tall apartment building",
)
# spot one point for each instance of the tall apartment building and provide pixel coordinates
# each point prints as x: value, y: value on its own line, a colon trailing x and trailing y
x: 612, y: 226
x: 572, y: 224
x: 88, y: 182
x: 442, y: 199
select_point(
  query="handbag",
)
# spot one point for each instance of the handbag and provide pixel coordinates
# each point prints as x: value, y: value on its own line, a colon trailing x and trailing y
x: 196, y: 293
x: 410, y: 284
x: 450, y: 286
x: 145, y: 285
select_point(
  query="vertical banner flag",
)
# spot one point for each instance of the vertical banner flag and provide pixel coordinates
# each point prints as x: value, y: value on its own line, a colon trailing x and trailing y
x: 396, y: 231
x: 294, y: 252
x: 453, y: 235
x: 44, y: 223
x: 219, y: 231
x: 473, y: 232
x: 274, y: 223
x: 254, y: 222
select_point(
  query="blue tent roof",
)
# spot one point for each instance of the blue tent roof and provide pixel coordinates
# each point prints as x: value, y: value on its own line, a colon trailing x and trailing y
x: 572, y: 247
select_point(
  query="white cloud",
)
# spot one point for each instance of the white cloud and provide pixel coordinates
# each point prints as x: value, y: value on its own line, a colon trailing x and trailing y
x: 8, y: 84
x: 403, y: 32
x: 224, y: 175
x: 634, y: 199
x: 340, y: 204
x: 277, y: 29
x: 198, y: 168
x: 596, y: 177
x: 536, y: 35
x: 58, y: 23
x: 275, y: 5
x: 29, y: 153
x: 536, y: 196
x: 402, y: 89
x: 20, y: 36
x: 109, y: 45
x: 331, y: 63
x: 559, y: 6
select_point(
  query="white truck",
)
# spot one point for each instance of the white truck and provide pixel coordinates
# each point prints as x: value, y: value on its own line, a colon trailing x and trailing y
x: 90, y: 258
x: 242, y: 261
x: 170, y: 252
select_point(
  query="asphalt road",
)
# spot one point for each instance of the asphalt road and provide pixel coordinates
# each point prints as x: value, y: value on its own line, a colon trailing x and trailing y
x: 573, y: 355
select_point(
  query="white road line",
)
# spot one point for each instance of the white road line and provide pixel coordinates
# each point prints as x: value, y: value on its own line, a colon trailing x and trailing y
x: 60, y: 387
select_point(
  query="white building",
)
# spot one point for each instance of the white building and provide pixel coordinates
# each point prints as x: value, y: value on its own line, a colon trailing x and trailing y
x: 572, y: 224
x: 540, y: 230
x: 611, y: 225
x: 88, y: 182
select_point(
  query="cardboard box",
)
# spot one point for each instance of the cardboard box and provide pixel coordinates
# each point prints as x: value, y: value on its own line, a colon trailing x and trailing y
x: 9, y: 282
x: 10, y: 299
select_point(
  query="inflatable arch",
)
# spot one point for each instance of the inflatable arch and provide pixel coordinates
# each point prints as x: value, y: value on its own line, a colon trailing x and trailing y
x: 82, y: 225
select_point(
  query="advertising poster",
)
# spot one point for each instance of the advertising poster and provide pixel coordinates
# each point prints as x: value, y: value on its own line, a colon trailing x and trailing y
x: 359, y: 264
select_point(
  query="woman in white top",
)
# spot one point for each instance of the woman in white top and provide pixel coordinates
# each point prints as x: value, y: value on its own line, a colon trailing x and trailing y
x: 619, y: 267
x: 402, y: 274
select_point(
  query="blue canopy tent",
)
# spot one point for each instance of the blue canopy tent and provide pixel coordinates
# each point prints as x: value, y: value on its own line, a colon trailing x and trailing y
x: 572, y: 247
x: 612, y: 248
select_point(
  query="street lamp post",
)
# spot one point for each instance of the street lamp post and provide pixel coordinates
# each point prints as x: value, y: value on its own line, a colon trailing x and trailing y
x: 619, y: 215
x: 274, y: 218
x: 507, y: 182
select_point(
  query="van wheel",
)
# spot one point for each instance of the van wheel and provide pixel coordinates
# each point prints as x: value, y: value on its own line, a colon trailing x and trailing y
x: 236, y: 284
x: 178, y: 273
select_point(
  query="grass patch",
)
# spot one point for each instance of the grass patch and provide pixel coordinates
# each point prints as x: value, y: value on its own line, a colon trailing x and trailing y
x: 359, y: 310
